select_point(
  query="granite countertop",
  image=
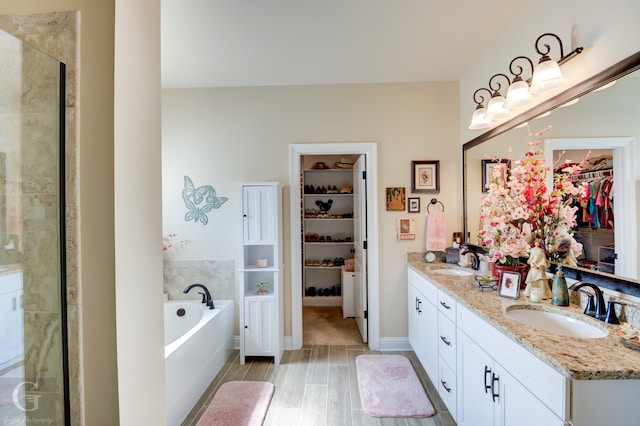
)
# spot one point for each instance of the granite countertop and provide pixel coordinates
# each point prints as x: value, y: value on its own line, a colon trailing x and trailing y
x: 579, y: 358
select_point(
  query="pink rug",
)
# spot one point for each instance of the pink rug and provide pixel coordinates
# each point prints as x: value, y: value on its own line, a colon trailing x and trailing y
x: 238, y: 404
x: 389, y: 387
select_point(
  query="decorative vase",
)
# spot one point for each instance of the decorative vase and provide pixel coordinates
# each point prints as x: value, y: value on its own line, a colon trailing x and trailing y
x: 560, y: 293
x: 496, y: 268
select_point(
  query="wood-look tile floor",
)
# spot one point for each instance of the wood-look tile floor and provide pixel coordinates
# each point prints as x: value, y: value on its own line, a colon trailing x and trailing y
x: 316, y: 385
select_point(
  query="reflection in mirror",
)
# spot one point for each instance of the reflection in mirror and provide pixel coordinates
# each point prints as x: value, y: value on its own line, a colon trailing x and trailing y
x: 602, y: 119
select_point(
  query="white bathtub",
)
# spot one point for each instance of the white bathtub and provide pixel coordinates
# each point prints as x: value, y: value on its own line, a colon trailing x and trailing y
x: 198, y: 341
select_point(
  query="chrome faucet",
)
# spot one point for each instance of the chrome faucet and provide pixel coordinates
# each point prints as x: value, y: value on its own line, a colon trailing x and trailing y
x: 206, y: 296
x: 598, y: 311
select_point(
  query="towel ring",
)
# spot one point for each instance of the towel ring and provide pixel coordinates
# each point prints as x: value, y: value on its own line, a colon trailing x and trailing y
x: 435, y: 201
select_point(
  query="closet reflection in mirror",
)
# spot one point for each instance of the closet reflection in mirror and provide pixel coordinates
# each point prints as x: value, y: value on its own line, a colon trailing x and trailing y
x: 605, y: 122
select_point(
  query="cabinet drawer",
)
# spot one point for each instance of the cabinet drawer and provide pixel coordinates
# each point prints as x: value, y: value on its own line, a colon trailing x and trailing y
x: 428, y: 290
x: 447, y: 305
x: 447, y: 341
x: 447, y: 386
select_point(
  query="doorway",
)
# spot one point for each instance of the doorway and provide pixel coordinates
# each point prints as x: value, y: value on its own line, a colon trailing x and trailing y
x: 623, y: 163
x: 368, y: 151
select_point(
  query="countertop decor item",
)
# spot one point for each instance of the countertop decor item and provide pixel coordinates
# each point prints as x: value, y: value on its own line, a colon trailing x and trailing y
x: 560, y: 293
x: 486, y: 282
x: 521, y: 208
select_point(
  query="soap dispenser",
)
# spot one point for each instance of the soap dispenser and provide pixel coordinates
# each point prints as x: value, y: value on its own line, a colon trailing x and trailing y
x: 559, y: 290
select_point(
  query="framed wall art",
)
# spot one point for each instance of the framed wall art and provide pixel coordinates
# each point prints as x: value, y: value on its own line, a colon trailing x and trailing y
x: 413, y: 205
x: 396, y: 199
x: 425, y: 176
x: 488, y: 167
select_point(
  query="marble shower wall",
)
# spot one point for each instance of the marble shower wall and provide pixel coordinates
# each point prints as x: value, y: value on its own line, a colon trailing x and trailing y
x: 55, y: 34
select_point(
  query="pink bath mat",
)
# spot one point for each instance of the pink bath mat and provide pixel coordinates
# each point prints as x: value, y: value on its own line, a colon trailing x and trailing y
x: 238, y: 404
x: 389, y: 387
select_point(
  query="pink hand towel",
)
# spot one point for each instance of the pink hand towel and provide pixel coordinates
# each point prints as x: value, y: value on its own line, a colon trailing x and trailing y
x: 436, y: 231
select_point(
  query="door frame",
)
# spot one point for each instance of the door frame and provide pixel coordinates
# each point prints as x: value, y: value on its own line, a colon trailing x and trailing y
x: 370, y: 151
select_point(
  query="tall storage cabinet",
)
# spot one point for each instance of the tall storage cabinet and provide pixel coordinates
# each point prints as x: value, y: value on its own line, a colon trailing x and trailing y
x: 260, y: 281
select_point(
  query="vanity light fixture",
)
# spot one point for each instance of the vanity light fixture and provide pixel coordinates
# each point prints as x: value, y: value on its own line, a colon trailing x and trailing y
x: 518, y: 94
x: 496, y: 108
x: 479, y: 119
x: 546, y: 76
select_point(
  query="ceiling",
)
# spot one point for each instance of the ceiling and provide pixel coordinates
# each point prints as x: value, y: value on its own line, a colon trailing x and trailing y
x: 229, y: 43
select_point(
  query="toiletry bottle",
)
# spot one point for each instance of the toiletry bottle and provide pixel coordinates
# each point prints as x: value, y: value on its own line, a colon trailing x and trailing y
x: 559, y: 291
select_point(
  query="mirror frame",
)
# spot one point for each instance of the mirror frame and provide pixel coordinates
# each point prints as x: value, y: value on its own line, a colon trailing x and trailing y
x: 614, y: 72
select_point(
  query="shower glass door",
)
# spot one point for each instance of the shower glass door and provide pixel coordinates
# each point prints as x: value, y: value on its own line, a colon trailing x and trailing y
x: 33, y: 350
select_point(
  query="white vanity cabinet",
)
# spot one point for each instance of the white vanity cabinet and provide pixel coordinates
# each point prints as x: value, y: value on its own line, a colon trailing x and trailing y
x: 261, y: 309
x: 489, y: 395
x: 423, y: 322
x: 500, y: 383
x: 432, y: 335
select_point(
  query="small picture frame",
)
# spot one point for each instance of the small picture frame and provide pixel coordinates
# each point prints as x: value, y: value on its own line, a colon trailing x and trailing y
x: 396, y: 199
x: 509, y: 284
x: 413, y: 205
x: 425, y: 176
x: 488, y: 167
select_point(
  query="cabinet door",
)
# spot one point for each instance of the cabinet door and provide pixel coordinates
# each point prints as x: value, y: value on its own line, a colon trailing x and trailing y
x: 423, y: 331
x: 259, y: 326
x: 520, y: 407
x: 416, y: 333
x: 477, y: 383
x: 259, y: 214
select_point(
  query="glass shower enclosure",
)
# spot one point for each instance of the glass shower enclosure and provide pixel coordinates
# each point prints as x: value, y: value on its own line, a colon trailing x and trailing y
x: 33, y: 326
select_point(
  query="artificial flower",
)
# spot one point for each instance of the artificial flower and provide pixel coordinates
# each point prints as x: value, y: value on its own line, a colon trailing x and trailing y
x: 520, y: 208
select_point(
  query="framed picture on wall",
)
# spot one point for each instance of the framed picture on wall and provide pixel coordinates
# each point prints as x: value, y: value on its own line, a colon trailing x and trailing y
x: 413, y: 205
x: 425, y: 176
x: 396, y: 199
x: 488, y: 168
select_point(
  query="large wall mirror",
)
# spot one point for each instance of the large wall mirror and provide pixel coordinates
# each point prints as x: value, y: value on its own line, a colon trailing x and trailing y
x: 605, y: 121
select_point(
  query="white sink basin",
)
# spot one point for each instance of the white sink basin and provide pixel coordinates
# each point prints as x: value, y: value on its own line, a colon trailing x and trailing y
x: 556, y: 323
x: 453, y: 271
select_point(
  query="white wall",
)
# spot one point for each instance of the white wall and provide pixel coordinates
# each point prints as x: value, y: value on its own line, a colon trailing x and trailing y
x: 608, y: 31
x: 222, y: 136
x: 138, y: 223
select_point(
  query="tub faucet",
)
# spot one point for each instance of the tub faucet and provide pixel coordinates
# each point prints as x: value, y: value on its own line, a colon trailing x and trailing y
x: 206, y: 296
x: 598, y: 311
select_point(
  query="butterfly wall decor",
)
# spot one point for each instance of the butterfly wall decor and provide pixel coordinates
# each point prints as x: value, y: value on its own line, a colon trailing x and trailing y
x: 195, y: 197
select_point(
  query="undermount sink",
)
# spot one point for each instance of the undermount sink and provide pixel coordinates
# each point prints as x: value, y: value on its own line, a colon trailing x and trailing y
x: 556, y: 323
x: 453, y: 271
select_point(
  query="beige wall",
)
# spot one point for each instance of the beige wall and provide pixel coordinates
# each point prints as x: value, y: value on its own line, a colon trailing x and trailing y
x: 222, y: 136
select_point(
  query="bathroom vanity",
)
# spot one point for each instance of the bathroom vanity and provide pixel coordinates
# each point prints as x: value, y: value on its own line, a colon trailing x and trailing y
x: 491, y: 369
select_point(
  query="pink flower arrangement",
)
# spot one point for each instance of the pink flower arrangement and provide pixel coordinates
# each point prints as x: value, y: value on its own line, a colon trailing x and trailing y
x: 520, y: 208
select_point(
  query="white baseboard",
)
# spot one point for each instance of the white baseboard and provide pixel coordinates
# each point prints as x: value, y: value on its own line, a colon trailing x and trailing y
x: 388, y: 344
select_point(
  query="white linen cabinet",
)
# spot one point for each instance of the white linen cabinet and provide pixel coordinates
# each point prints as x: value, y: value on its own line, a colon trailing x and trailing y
x: 260, y: 281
